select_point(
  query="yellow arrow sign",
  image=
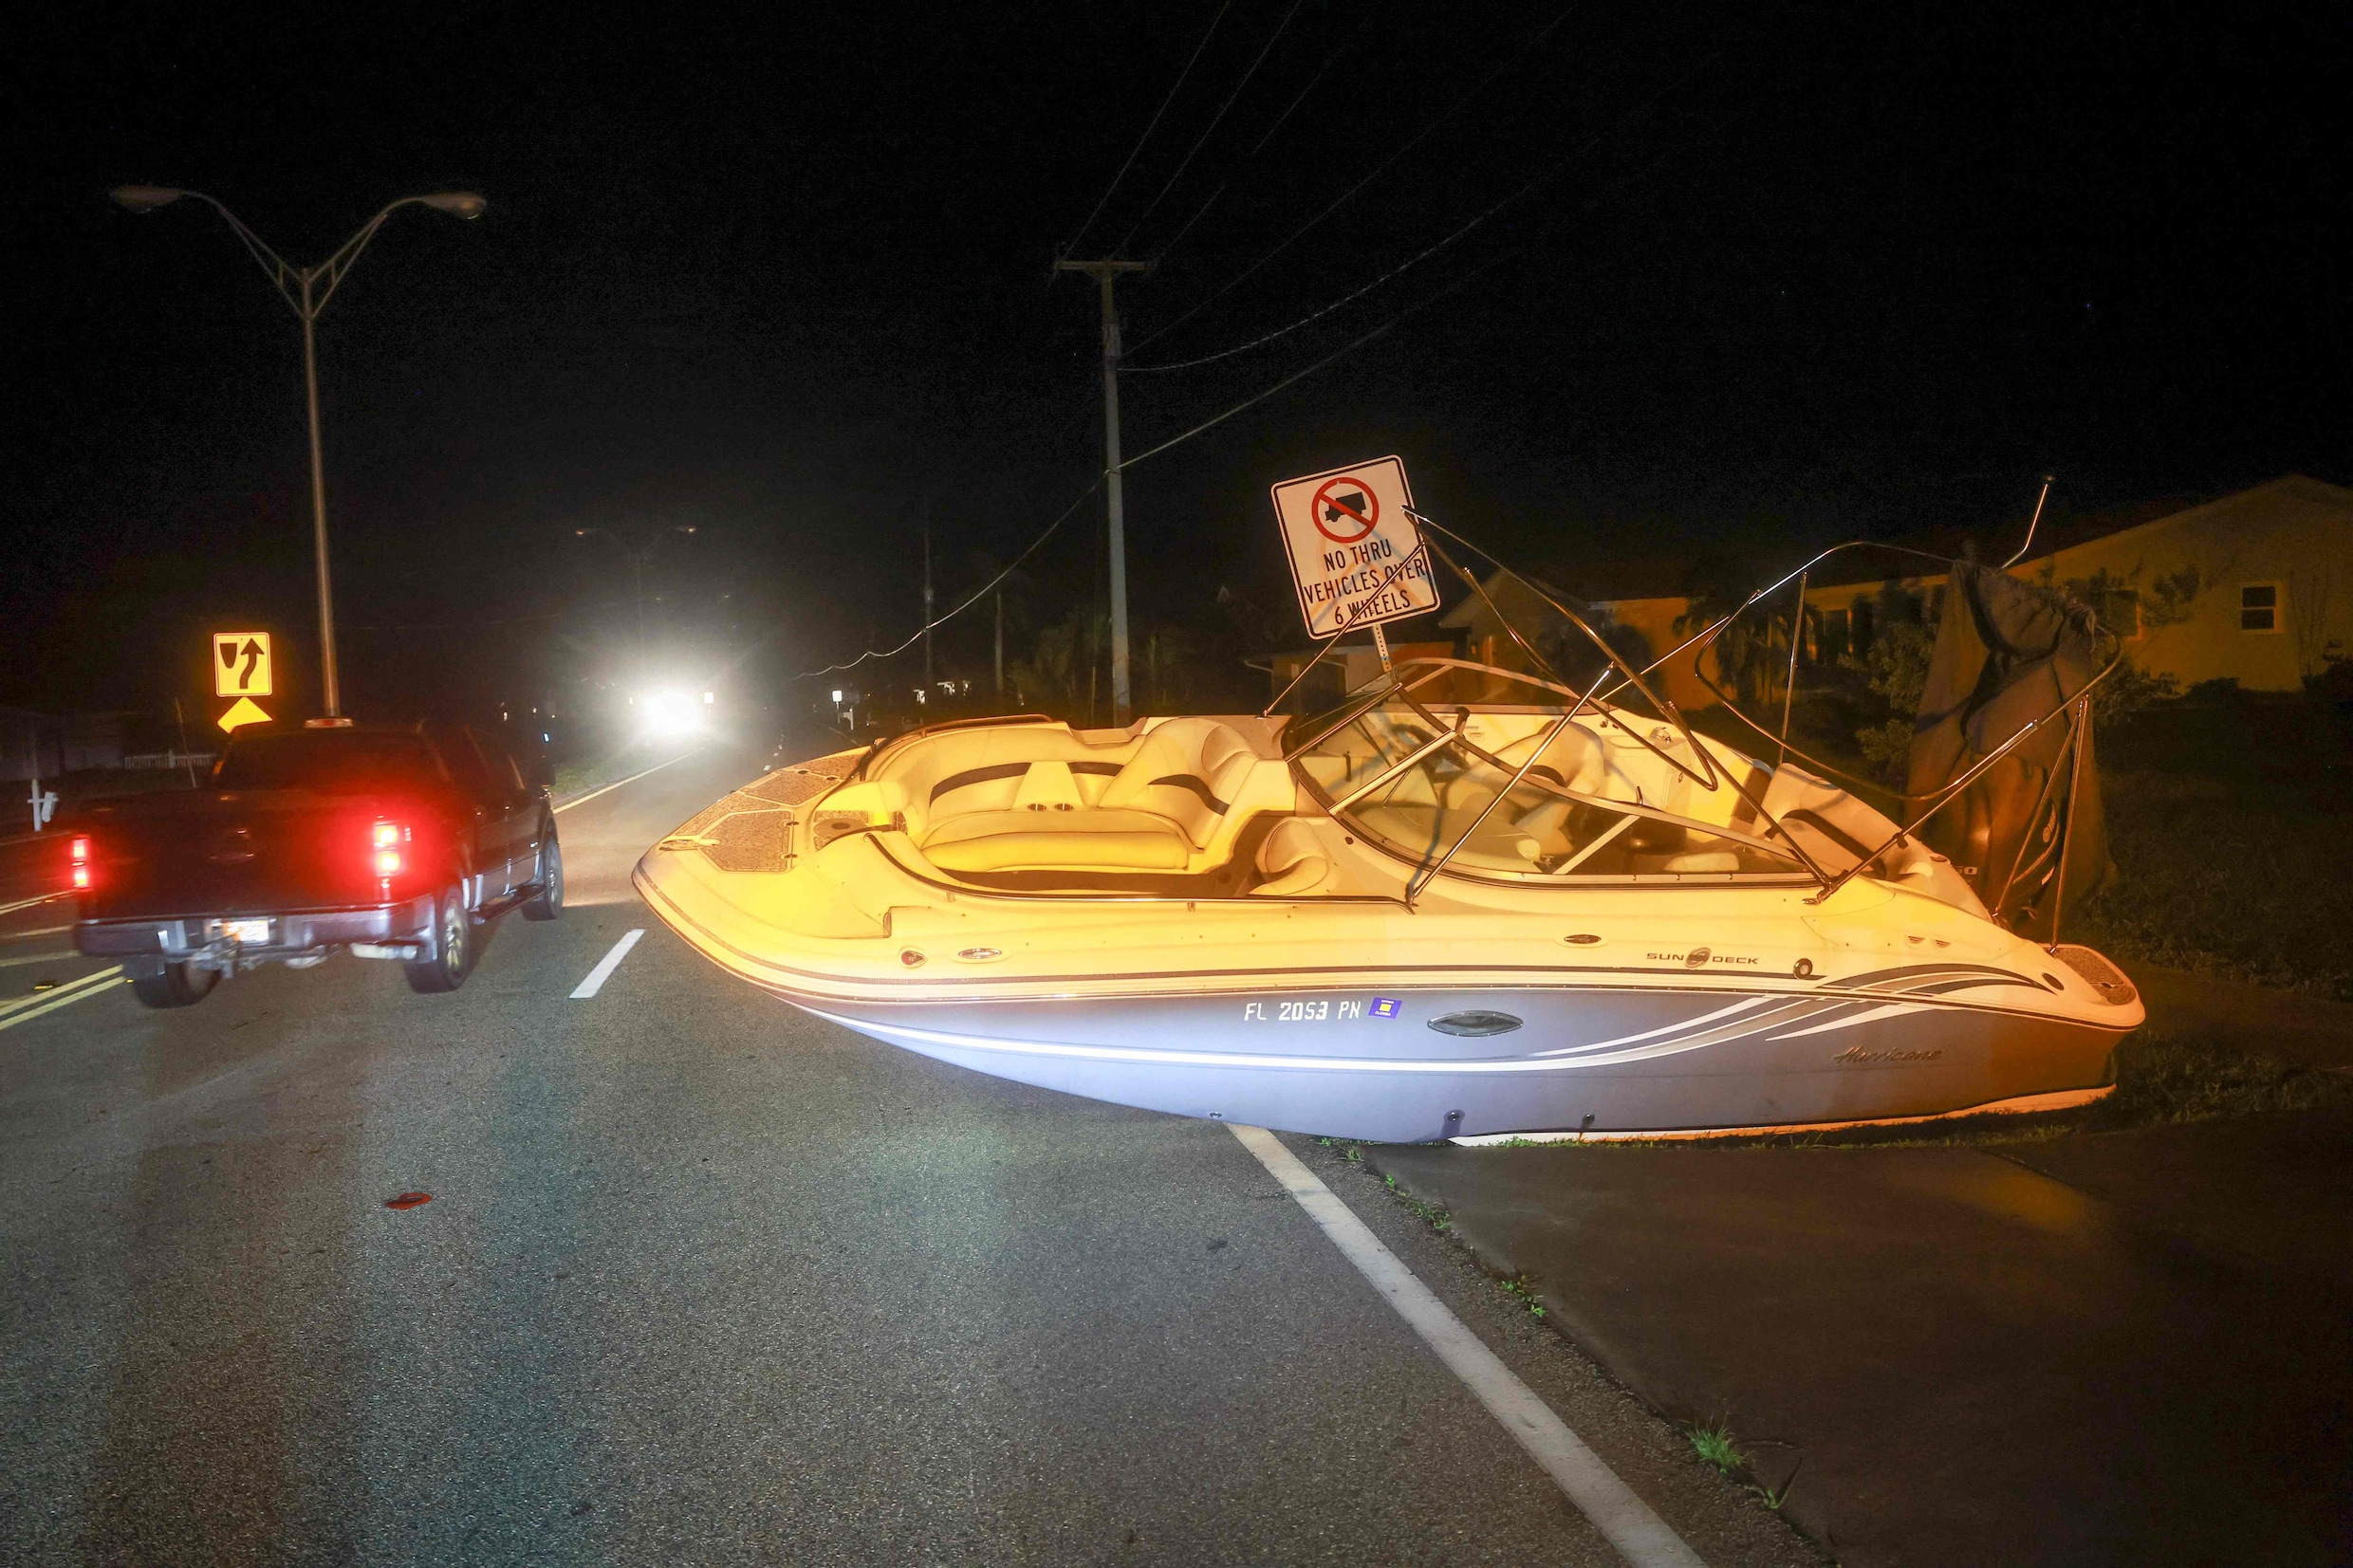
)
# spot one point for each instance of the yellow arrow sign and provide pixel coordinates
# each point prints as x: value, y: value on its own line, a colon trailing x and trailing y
x: 243, y: 711
x: 241, y: 664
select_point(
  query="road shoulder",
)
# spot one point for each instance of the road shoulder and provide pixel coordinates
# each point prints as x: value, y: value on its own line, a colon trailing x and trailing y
x: 1718, y: 1519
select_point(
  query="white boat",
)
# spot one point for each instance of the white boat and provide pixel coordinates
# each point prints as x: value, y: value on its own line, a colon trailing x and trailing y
x: 1467, y: 902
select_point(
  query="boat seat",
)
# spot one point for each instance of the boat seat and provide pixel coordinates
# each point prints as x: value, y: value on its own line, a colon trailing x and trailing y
x: 1293, y: 862
x: 1043, y: 837
x: 1188, y: 771
x: 1185, y: 788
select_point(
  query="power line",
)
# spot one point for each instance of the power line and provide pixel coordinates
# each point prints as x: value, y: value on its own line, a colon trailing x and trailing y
x: 1344, y: 196
x: 1283, y: 119
x: 458, y: 625
x: 1149, y: 128
x: 1563, y: 163
x: 1217, y: 120
x: 1358, y: 294
x: 1197, y: 215
x: 978, y: 594
x: 1296, y: 377
x: 1280, y: 120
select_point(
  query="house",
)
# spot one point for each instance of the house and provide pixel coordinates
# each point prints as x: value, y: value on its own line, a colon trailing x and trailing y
x: 1337, y: 671
x: 41, y: 746
x: 2254, y: 587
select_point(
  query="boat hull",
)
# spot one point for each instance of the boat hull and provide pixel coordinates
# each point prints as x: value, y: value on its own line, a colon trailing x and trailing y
x: 1364, y: 1065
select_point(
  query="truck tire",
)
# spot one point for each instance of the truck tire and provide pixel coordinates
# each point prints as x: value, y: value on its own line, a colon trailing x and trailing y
x: 549, y: 902
x: 175, y: 985
x: 452, y: 947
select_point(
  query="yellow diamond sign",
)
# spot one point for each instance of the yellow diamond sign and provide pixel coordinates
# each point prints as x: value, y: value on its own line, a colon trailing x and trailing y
x: 243, y: 711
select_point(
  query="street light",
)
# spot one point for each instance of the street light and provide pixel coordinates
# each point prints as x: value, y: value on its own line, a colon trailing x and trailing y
x: 308, y: 290
x: 637, y: 558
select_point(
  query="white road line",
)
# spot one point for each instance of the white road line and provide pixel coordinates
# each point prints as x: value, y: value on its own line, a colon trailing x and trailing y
x: 29, y: 935
x: 633, y: 778
x: 606, y: 966
x: 1640, y: 1536
x: 38, y: 958
x: 23, y: 1010
x: 27, y: 903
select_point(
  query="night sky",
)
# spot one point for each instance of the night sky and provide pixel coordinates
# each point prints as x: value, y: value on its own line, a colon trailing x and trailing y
x: 1747, y: 281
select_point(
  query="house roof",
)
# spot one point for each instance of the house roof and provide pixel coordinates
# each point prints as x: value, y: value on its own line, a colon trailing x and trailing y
x: 2061, y: 529
x: 1604, y: 581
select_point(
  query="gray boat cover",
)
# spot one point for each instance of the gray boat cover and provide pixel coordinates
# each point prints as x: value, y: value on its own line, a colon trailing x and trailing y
x: 2008, y: 652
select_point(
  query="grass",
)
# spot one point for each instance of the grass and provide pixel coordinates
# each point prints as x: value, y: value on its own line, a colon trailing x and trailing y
x: 2163, y: 1078
x: 1712, y: 1441
x: 2222, y: 879
x: 1430, y: 1214
x: 1517, y: 1287
x: 2160, y: 1079
x: 2230, y: 822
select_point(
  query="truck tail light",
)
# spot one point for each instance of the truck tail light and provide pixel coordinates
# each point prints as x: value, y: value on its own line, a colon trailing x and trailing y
x: 386, y: 841
x: 81, y: 862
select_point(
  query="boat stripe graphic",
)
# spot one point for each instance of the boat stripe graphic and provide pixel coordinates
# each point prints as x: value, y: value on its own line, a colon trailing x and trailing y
x: 1723, y: 1033
x: 1919, y: 974
x: 1893, y: 1009
x: 1742, y: 1006
x: 984, y: 1044
x: 1705, y: 1031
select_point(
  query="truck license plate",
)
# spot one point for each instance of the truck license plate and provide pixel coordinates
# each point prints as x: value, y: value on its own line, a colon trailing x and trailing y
x: 255, y: 933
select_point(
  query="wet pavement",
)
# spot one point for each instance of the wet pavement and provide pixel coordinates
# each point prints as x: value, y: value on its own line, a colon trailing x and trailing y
x: 705, y: 1280
x: 2128, y: 1348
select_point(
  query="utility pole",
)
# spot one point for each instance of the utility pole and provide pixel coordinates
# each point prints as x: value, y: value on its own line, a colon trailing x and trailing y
x: 927, y: 595
x: 1000, y: 648
x: 1105, y: 274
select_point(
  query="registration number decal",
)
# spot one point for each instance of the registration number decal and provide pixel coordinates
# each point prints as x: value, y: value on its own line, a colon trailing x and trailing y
x: 1321, y: 1012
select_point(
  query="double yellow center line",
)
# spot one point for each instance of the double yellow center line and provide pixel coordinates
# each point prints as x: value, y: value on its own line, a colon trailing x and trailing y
x: 24, y: 1009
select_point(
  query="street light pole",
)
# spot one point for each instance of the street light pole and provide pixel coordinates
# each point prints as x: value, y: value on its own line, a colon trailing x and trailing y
x: 299, y: 287
x: 318, y: 507
x: 1105, y: 272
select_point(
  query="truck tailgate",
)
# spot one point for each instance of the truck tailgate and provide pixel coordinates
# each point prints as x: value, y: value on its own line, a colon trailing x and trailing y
x: 233, y: 852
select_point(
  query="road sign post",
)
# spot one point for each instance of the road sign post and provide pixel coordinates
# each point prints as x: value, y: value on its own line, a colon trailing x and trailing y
x: 1356, y: 554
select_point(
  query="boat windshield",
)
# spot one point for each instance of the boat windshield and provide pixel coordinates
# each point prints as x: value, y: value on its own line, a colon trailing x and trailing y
x: 1598, y: 800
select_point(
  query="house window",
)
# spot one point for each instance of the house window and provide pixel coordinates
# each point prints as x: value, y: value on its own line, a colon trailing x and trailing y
x: 1832, y: 637
x: 2258, y: 606
x: 2118, y: 610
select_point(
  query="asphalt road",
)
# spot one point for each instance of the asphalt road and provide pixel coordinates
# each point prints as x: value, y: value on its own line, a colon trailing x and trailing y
x: 705, y: 1280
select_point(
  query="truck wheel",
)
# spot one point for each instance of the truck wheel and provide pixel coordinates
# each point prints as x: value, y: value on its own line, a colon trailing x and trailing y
x: 549, y: 902
x: 452, y: 947
x: 176, y: 985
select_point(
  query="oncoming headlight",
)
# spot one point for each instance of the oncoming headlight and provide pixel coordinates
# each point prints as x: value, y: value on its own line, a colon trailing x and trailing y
x: 669, y: 712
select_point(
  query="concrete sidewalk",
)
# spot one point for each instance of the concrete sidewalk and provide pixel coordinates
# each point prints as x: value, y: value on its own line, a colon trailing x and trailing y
x: 2124, y: 1347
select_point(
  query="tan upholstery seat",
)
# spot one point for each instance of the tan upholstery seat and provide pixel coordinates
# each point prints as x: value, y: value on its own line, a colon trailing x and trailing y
x: 1292, y: 860
x: 1187, y: 770
x: 1179, y: 788
x: 1049, y: 839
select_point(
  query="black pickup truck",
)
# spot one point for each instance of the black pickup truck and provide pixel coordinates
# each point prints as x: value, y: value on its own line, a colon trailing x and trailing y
x: 393, y: 842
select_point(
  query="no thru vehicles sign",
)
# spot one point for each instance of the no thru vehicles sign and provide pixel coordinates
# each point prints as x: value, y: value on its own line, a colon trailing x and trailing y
x: 1355, y: 552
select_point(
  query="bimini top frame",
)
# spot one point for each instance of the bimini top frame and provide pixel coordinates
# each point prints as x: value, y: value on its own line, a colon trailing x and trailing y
x: 1617, y: 676
x: 1401, y: 685
x: 1927, y: 804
